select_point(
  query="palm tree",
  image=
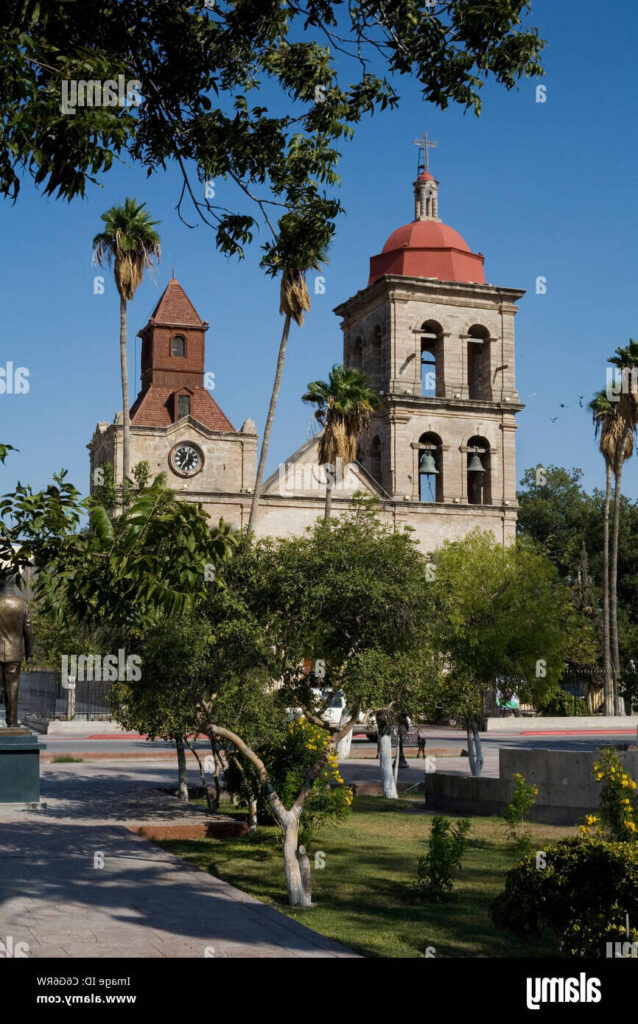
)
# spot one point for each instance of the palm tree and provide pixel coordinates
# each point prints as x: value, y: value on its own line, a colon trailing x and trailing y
x: 294, y: 301
x: 130, y: 242
x: 626, y: 359
x: 607, y: 424
x: 345, y: 403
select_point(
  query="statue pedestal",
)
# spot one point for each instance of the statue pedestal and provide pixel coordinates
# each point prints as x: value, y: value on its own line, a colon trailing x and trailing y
x: 19, y: 767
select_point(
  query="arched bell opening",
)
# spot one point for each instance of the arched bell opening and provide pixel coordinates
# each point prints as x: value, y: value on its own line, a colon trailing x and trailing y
x: 479, y: 471
x: 430, y: 453
x: 431, y: 359
x: 478, y: 365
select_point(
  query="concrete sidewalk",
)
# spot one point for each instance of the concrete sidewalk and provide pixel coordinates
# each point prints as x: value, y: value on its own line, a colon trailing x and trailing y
x: 74, y: 882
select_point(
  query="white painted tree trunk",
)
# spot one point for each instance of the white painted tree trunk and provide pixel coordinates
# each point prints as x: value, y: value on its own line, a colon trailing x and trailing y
x: 474, y: 749
x: 296, y: 893
x: 181, y: 769
x: 252, y: 817
x: 344, y: 745
x: 385, y: 763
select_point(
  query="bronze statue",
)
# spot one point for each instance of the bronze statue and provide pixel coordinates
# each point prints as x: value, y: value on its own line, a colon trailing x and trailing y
x: 16, y: 645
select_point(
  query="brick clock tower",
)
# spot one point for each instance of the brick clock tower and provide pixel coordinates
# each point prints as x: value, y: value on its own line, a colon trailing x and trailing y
x: 437, y: 342
x: 176, y: 425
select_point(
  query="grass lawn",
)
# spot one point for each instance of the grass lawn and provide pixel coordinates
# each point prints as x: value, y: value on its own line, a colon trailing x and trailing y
x: 361, y: 896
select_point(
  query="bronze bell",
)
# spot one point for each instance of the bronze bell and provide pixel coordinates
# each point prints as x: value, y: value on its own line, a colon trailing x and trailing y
x: 475, y: 464
x: 427, y: 465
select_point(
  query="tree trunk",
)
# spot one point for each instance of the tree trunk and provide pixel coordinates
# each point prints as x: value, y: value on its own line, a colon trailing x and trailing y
x: 474, y: 748
x: 296, y: 893
x: 609, y: 679
x: 329, y: 488
x: 385, y: 761
x: 402, y: 758
x: 306, y: 876
x: 619, y: 708
x: 252, y: 816
x: 213, y: 747
x: 202, y: 773
x: 126, y: 417
x: 181, y: 769
x: 254, y: 508
x: 395, y: 775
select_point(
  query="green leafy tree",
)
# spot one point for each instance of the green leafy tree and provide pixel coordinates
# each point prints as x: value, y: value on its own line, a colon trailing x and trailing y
x: 130, y: 242
x: 172, y: 651
x: 199, y: 67
x: 501, y: 620
x: 345, y: 402
x: 560, y: 517
x: 340, y: 610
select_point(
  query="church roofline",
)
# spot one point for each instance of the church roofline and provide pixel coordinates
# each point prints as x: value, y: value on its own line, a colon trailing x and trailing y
x: 428, y: 285
x: 296, y: 456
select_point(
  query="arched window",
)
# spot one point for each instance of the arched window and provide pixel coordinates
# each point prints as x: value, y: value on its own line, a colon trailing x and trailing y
x: 178, y: 346
x: 375, y: 458
x: 479, y: 471
x: 357, y: 354
x: 478, y: 365
x: 373, y: 363
x: 431, y: 359
x: 430, y: 468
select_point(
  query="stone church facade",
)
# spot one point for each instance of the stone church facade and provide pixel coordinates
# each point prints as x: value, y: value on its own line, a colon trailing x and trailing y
x: 434, y: 339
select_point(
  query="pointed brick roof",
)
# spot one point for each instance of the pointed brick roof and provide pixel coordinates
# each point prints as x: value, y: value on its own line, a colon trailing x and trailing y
x: 175, y: 307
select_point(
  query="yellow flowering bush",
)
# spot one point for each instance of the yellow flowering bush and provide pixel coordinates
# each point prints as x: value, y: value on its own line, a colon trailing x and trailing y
x: 330, y: 798
x: 617, y: 816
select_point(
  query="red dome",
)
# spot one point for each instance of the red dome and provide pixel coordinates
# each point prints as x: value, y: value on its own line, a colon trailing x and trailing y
x: 428, y: 248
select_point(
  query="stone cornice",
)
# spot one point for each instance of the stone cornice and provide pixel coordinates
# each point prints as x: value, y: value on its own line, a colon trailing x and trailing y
x: 406, y: 288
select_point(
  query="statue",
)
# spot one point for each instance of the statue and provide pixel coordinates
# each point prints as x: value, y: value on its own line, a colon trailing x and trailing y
x: 16, y: 645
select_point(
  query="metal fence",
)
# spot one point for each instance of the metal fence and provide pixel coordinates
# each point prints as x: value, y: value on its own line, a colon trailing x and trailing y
x: 42, y: 695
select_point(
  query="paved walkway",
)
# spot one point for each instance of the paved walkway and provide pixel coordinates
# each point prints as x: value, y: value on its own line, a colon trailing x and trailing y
x: 75, y: 882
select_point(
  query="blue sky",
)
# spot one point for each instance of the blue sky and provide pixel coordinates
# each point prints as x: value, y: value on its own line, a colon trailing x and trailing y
x: 543, y: 189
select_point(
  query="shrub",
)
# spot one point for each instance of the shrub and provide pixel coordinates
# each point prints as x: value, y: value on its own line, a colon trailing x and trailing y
x: 436, y: 870
x: 582, y: 894
x: 523, y: 799
x: 617, y: 815
x: 560, y: 704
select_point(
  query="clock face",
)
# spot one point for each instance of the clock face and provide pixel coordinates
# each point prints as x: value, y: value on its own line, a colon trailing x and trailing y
x: 186, y: 459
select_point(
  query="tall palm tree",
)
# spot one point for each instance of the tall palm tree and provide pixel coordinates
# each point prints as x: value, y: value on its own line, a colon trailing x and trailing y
x: 294, y: 301
x: 129, y: 242
x: 607, y: 425
x: 626, y: 359
x: 345, y: 403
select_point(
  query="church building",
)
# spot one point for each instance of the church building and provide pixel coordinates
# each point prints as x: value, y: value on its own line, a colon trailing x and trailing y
x: 434, y: 339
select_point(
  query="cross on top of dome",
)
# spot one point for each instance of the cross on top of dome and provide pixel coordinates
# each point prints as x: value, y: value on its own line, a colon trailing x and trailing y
x: 424, y: 144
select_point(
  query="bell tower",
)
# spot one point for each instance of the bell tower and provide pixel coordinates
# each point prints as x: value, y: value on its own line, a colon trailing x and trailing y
x: 437, y: 343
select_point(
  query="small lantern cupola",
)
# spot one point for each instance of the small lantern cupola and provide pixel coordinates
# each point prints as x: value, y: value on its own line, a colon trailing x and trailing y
x: 426, y: 198
x: 426, y: 188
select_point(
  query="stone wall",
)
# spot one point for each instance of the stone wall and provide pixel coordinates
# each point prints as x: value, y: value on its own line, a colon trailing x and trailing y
x: 567, y: 790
